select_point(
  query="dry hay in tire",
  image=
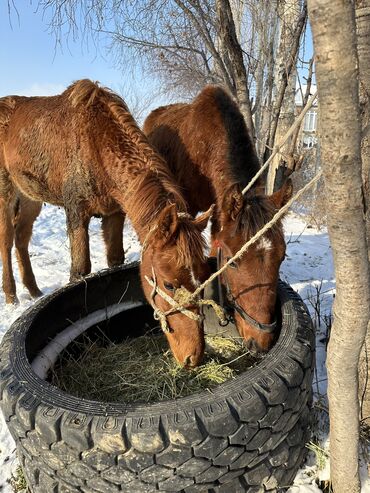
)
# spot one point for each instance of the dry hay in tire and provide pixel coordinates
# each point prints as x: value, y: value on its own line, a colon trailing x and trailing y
x: 143, y: 369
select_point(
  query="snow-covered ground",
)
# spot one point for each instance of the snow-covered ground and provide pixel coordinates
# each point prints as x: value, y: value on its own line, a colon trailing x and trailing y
x: 308, y: 268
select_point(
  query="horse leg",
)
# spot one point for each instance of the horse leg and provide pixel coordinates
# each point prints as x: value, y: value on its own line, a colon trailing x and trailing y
x: 78, y: 233
x: 28, y: 212
x: 6, y: 243
x: 7, y: 236
x: 112, y: 227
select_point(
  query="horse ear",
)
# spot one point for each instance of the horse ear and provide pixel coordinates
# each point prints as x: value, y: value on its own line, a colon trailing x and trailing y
x: 282, y: 196
x: 168, y: 221
x: 202, y: 220
x: 232, y: 202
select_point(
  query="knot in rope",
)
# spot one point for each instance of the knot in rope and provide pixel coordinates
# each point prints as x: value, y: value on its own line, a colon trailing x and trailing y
x: 185, y: 297
x: 182, y: 299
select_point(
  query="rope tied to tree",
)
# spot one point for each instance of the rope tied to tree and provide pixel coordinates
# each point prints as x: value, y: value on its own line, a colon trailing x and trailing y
x: 284, y: 140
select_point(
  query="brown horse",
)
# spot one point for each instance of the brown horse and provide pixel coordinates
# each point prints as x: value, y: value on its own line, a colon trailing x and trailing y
x: 207, y: 147
x: 83, y: 150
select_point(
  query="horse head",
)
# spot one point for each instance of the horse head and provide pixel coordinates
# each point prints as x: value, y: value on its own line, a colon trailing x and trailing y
x: 173, y: 258
x: 251, y: 281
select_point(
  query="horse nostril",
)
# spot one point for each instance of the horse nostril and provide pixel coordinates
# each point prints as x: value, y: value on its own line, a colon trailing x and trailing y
x: 252, y: 346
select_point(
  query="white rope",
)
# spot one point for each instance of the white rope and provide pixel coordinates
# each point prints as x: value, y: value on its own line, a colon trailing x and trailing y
x: 281, y: 143
x: 176, y: 307
x: 280, y: 213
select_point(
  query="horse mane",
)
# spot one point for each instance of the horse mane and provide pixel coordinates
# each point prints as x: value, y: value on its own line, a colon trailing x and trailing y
x: 142, y: 193
x: 242, y: 161
x: 86, y: 92
x: 241, y: 155
x: 158, y: 175
x: 190, y: 243
x: 257, y: 211
x: 189, y: 240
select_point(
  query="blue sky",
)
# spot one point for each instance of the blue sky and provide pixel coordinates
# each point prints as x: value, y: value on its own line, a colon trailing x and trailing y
x: 32, y: 65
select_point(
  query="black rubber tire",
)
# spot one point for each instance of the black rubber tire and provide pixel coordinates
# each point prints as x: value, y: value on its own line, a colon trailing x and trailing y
x: 249, y: 435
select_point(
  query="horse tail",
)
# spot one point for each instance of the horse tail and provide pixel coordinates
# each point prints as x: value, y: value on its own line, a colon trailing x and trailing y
x: 7, y: 106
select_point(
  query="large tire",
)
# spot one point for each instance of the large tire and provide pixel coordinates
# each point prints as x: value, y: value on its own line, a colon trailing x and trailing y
x: 249, y: 435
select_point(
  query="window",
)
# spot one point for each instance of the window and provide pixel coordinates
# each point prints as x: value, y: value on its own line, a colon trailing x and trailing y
x: 310, y: 121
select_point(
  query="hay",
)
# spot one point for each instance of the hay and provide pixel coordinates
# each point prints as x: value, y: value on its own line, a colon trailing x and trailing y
x: 143, y: 369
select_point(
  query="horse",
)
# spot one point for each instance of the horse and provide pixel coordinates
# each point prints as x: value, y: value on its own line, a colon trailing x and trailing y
x: 83, y: 150
x: 208, y: 148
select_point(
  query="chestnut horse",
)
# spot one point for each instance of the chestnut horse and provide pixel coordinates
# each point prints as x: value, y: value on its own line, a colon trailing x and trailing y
x: 83, y: 150
x: 209, y: 150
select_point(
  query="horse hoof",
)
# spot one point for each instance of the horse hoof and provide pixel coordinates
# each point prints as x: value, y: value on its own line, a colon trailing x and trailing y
x: 116, y: 263
x: 11, y: 300
x: 77, y: 276
x: 36, y: 293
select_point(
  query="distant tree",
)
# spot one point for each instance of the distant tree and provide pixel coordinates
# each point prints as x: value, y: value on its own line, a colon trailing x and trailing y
x: 186, y: 44
x: 334, y: 35
x: 292, y: 17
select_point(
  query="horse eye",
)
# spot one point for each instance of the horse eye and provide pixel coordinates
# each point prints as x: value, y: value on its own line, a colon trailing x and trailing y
x: 169, y: 286
x: 233, y: 265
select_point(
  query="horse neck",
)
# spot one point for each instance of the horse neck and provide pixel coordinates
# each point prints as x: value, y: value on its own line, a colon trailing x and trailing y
x: 144, y: 198
x: 143, y: 184
x: 224, y: 166
x: 222, y: 179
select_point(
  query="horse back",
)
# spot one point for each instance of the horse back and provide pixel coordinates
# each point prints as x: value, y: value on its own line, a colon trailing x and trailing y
x: 206, y: 140
x: 51, y: 150
x: 170, y: 129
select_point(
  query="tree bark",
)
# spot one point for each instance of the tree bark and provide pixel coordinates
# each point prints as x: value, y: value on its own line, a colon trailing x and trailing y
x: 305, y: 96
x: 264, y: 76
x: 334, y: 35
x: 293, y: 21
x: 363, y: 49
x: 231, y: 46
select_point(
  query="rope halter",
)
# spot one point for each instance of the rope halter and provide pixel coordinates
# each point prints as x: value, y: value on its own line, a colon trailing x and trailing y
x: 182, y: 299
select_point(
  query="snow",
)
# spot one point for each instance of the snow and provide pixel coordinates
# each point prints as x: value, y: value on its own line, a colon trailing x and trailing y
x: 308, y: 267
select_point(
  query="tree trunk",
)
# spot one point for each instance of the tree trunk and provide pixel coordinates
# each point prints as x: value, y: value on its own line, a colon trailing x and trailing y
x: 264, y: 77
x: 293, y: 21
x: 232, y: 48
x: 363, y: 49
x: 305, y: 96
x: 334, y: 35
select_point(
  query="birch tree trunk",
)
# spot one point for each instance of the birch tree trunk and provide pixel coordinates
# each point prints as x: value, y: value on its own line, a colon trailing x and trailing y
x: 363, y: 49
x: 267, y: 22
x: 334, y: 35
x: 292, y: 22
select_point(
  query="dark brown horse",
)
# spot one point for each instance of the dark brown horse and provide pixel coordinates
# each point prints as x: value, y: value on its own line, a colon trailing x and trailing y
x: 83, y: 150
x: 207, y: 147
